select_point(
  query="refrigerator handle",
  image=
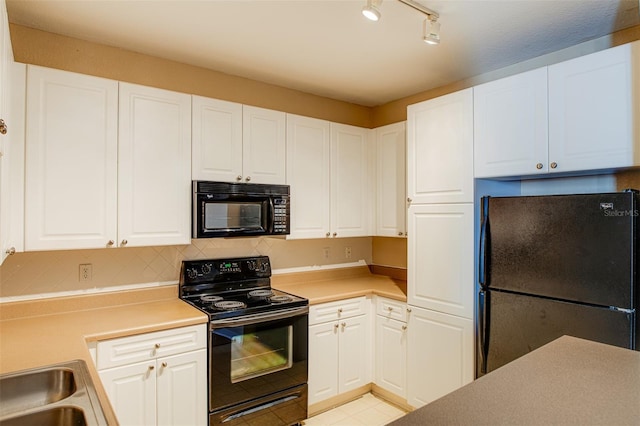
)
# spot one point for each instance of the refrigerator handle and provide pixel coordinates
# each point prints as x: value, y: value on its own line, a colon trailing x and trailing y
x: 482, y: 255
x: 483, y: 338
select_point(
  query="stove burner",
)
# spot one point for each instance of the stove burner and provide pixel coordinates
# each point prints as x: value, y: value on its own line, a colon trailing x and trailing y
x: 280, y: 299
x: 260, y: 294
x: 229, y: 305
x: 210, y: 298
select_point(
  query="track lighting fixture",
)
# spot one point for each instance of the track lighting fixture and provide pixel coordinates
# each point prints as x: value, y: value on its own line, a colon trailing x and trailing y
x: 431, y: 30
x: 371, y: 10
x: 430, y: 27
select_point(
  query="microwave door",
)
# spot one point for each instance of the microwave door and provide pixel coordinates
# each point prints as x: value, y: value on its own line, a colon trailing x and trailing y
x: 233, y: 217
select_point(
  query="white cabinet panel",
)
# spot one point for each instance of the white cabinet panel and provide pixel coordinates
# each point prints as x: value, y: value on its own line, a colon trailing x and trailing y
x: 217, y: 139
x: 340, y: 309
x: 391, y: 355
x: 308, y: 174
x: 264, y: 145
x: 132, y: 392
x: 354, y: 363
x: 154, y: 167
x: 391, y: 193
x: 440, y: 149
x: 71, y: 160
x: 510, y: 125
x: 440, y: 258
x: 441, y: 355
x: 594, y: 105
x: 323, y: 361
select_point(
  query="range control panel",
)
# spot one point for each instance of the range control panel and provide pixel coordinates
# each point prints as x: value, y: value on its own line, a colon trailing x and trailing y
x: 223, y: 270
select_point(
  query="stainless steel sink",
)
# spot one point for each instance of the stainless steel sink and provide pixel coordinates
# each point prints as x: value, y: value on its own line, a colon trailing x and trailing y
x: 60, y: 394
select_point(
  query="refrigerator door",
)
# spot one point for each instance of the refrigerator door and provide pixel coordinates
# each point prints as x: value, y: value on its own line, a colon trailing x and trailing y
x: 572, y: 247
x: 511, y: 325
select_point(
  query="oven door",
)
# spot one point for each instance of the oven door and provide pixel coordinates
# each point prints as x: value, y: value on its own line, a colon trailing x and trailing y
x: 254, y: 356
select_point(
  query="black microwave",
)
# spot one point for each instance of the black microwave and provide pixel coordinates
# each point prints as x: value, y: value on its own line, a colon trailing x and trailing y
x: 223, y: 209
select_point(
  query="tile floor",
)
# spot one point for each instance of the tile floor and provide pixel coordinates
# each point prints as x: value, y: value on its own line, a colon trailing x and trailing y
x: 367, y: 410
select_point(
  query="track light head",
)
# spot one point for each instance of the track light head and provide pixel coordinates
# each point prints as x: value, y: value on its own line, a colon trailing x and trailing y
x: 371, y: 11
x: 431, y: 30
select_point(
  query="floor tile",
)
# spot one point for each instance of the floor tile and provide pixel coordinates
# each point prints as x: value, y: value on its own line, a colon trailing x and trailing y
x: 365, y: 411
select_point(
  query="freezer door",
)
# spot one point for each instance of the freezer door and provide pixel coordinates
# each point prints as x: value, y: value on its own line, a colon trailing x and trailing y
x: 511, y: 325
x: 571, y: 247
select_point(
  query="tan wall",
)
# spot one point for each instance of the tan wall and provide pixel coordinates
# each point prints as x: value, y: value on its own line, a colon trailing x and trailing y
x: 32, y: 46
x: 396, y: 111
x: 389, y: 252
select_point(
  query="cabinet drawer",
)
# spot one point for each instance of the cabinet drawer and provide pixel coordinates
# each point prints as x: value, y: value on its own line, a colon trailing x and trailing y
x: 142, y: 347
x: 338, y: 310
x: 390, y: 308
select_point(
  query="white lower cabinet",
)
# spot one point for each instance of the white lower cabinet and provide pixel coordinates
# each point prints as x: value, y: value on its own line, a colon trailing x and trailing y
x: 157, y: 378
x: 440, y: 359
x: 391, y: 346
x: 339, y: 361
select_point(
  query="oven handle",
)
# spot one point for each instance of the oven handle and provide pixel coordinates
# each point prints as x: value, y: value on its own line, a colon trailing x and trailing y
x: 258, y: 318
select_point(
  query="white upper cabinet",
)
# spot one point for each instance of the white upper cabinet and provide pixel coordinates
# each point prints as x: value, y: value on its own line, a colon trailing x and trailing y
x: 576, y: 116
x: 351, y: 188
x: 154, y: 167
x: 71, y: 160
x: 594, y: 108
x: 264, y: 145
x: 329, y: 171
x: 440, y: 149
x: 308, y: 174
x: 237, y: 143
x: 391, y: 192
x: 217, y: 140
x: 510, y: 125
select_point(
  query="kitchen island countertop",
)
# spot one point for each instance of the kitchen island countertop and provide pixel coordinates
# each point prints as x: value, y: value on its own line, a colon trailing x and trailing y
x: 568, y: 381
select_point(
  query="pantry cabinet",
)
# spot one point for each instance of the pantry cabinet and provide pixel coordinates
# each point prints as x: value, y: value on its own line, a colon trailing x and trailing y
x: 154, y: 167
x: 391, y: 192
x: 441, y: 358
x: 329, y: 172
x: 391, y: 346
x: 71, y: 160
x: 338, y: 332
x: 571, y: 117
x: 237, y: 143
x: 440, y: 149
x: 156, y: 378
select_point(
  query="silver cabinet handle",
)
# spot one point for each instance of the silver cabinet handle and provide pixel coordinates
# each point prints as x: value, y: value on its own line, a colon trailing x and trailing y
x: 157, y: 346
x: 344, y: 324
x: 124, y: 242
x: 400, y: 234
x: 404, y: 327
x: 335, y: 234
x: 539, y: 166
x: 554, y: 165
x: 248, y: 178
x: 328, y: 234
x: 11, y: 251
x: 3, y: 127
x: 409, y: 310
x: 110, y: 243
x: 152, y: 367
x: 339, y: 310
x: 164, y: 365
x: 390, y: 308
x: 409, y: 200
x: 336, y: 326
x: 239, y: 177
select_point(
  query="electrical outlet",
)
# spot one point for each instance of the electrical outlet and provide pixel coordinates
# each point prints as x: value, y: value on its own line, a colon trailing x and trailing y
x: 326, y: 252
x: 86, y: 271
x: 347, y: 252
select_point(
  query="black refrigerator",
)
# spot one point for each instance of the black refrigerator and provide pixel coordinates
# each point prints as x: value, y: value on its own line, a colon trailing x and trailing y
x: 555, y: 265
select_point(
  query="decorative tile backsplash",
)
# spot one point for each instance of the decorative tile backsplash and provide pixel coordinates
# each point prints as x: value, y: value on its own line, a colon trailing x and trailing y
x: 35, y: 273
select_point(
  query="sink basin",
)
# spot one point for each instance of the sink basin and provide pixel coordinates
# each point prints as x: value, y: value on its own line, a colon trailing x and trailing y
x: 60, y: 395
x: 25, y: 391
x: 60, y: 416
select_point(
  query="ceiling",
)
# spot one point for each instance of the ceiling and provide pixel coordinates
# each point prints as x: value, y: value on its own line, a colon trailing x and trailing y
x: 326, y: 47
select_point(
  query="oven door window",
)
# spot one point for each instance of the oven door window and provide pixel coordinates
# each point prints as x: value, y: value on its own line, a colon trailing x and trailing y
x: 256, y: 353
x: 234, y: 215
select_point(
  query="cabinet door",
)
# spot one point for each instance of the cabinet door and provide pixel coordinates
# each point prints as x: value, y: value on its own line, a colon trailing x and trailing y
x: 440, y: 149
x: 510, y: 127
x: 308, y: 148
x: 323, y: 361
x: 132, y: 392
x: 440, y: 355
x: 264, y: 145
x: 71, y: 160
x: 351, y: 190
x: 217, y: 140
x: 154, y: 167
x: 440, y: 258
x: 354, y: 362
x: 391, y: 355
x: 391, y: 179
x: 594, y: 105
x: 182, y: 389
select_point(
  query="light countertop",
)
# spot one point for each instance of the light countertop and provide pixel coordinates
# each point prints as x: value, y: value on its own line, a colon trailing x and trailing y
x: 569, y: 381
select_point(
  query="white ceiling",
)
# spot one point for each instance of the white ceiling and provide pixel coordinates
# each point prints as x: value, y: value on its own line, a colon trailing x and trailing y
x: 326, y: 47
